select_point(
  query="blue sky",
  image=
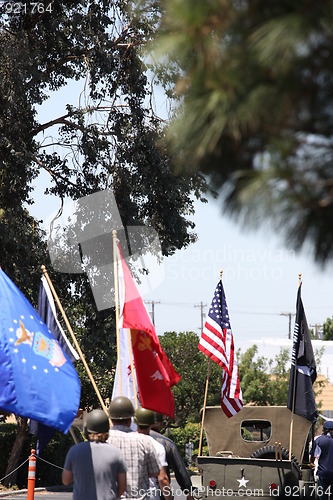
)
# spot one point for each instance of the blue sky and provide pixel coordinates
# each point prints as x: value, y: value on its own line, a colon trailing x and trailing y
x: 260, y: 277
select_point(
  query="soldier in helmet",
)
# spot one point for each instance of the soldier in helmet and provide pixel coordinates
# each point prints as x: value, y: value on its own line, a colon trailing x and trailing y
x: 139, y: 453
x: 324, y: 455
x: 145, y: 419
x: 173, y: 456
x: 97, y: 468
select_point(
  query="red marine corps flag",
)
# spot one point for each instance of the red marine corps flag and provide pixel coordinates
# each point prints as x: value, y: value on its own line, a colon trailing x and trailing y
x: 154, y: 371
x: 218, y: 344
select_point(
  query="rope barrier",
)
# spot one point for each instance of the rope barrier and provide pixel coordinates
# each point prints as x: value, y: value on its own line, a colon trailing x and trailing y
x: 17, y: 468
x: 53, y: 465
x: 25, y: 461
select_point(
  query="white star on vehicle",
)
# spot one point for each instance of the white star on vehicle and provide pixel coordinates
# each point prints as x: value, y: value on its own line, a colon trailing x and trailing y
x: 242, y: 482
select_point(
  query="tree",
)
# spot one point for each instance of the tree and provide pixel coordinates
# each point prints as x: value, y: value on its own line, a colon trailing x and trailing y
x: 266, y: 381
x: 328, y: 329
x: 109, y: 137
x: 182, y: 350
x: 112, y: 139
x: 255, y: 113
x: 254, y: 377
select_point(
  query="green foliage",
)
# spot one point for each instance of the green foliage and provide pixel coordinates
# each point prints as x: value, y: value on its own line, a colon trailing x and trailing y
x: 328, y: 329
x: 264, y: 382
x: 108, y: 136
x: 182, y: 350
x: 255, y: 113
x: 7, y: 439
x: 189, y: 433
x: 22, y: 249
x: 48, y: 467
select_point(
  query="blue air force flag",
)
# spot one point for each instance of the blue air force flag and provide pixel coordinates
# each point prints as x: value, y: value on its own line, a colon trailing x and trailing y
x: 37, y: 379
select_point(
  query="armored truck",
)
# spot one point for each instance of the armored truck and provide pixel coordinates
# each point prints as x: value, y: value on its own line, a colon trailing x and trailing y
x: 249, y: 455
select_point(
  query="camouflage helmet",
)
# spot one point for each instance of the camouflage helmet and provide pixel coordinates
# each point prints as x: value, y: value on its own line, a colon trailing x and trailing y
x: 97, y: 422
x: 121, y: 408
x: 144, y: 418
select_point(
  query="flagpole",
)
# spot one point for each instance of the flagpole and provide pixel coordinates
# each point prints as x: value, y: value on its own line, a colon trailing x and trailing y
x: 205, y: 398
x: 204, y: 408
x: 74, y: 338
x: 132, y: 369
x: 294, y: 393
x: 116, y: 296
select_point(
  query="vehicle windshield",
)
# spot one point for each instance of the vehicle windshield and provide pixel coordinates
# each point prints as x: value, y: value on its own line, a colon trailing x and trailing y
x: 256, y: 430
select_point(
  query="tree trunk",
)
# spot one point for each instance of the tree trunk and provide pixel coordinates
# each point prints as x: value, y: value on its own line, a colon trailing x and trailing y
x: 14, y: 459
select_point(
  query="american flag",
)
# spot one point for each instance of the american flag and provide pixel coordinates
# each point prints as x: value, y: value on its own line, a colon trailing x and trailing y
x: 218, y: 344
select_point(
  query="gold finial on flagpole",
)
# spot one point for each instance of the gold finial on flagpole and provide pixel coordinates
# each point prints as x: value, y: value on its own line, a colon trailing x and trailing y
x: 221, y: 272
x: 299, y: 278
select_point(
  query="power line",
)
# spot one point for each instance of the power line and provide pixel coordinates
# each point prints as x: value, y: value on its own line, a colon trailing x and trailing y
x: 166, y: 303
x: 254, y: 312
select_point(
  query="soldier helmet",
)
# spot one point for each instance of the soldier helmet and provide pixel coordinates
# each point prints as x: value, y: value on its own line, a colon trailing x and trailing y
x: 97, y: 422
x: 144, y: 418
x: 328, y: 425
x: 121, y: 408
x: 159, y: 418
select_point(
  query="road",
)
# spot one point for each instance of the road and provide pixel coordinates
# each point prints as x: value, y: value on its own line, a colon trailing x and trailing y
x: 43, y: 494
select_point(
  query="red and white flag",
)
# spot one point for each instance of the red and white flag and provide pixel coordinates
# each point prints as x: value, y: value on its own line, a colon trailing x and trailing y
x: 154, y: 371
x: 124, y: 385
x: 218, y: 344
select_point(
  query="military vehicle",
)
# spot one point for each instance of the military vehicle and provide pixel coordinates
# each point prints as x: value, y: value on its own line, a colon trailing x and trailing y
x: 249, y: 455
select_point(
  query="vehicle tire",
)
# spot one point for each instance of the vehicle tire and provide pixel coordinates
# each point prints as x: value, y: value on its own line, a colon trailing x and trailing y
x: 269, y: 452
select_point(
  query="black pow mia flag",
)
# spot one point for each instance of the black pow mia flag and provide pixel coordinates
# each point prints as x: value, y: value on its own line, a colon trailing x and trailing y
x: 303, y: 373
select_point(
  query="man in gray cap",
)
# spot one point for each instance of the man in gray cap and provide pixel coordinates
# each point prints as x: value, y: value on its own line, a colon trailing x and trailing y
x: 139, y: 453
x: 324, y: 455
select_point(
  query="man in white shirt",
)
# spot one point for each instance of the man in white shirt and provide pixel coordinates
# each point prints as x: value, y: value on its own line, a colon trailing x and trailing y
x: 160, y: 484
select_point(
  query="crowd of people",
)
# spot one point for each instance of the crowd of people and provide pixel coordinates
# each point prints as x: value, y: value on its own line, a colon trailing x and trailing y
x: 117, y: 461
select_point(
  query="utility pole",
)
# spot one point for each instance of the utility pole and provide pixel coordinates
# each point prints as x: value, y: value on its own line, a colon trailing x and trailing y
x: 152, y: 314
x: 201, y: 305
x: 317, y: 328
x: 290, y: 315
